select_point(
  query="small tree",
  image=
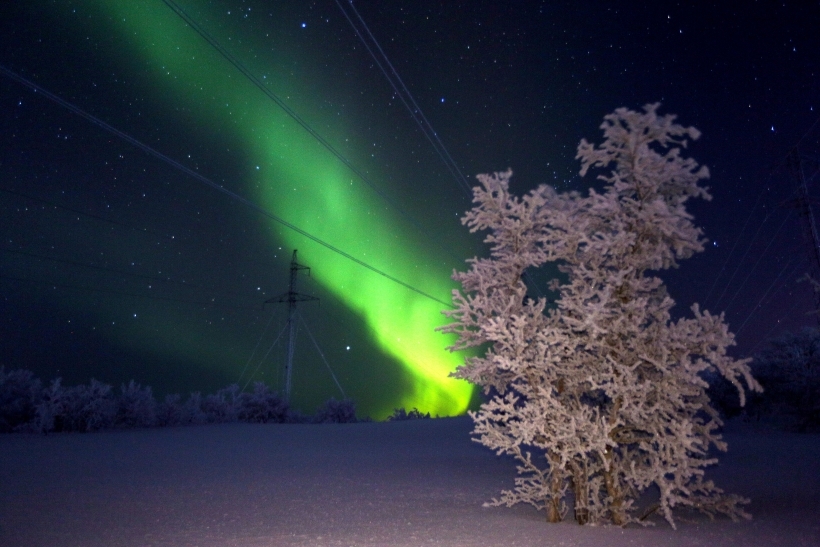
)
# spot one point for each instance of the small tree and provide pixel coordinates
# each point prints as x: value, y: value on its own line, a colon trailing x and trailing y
x: 602, y: 394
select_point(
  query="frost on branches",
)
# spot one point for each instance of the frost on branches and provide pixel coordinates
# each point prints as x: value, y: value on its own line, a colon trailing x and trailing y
x: 602, y: 395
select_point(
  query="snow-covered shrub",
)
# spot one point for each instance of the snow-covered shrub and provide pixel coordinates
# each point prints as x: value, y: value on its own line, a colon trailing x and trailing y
x: 297, y: 417
x: 262, y: 405
x: 20, y: 393
x: 789, y: 370
x: 49, y: 409
x: 336, y: 412
x: 224, y: 405
x: 601, y: 394
x: 170, y: 412
x: 86, y: 407
x: 399, y: 414
x: 136, y: 406
x: 192, y: 411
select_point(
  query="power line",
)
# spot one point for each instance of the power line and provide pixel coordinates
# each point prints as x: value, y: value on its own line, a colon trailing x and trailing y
x: 131, y: 227
x: 290, y: 112
x: 732, y: 251
x: 771, y: 286
x: 245, y: 201
x: 114, y: 270
x: 765, y: 337
x: 107, y: 291
x: 85, y: 214
x: 322, y: 355
x: 264, y: 331
x: 806, y: 134
x: 806, y: 213
x: 759, y: 258
x: 740, y: 263
x: 415, y: 111
x: 783, y: 161
x: 281, y: 332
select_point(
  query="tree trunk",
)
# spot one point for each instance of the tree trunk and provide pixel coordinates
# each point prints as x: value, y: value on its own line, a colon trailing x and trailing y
x: 553, y: 504
x: 611, y: 474
x: 580, y: 486
x: 615, y: 492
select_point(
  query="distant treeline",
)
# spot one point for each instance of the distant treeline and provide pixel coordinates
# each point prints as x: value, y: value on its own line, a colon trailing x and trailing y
x: 789, y: 371
x: 26, y: 405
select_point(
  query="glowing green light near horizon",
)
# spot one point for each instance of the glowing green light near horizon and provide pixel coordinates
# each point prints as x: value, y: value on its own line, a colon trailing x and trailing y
x: 299, y: 180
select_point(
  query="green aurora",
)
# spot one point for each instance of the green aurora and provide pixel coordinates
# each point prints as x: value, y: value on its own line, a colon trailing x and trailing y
x: 299, y: 180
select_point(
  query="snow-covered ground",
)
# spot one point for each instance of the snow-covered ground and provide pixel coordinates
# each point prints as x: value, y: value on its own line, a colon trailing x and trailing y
x: 410, y: 483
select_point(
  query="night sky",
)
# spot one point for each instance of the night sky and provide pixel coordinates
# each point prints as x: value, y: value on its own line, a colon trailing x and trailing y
x: 117, y: 264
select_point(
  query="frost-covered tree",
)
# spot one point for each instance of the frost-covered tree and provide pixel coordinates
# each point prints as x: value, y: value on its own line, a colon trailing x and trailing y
x: 789, y: 369
x: 224, y: 405
x: 20, y: 393
x: 603, y: 394
x: 262, y: 405
x: 85, y: 408
x: 136, y: 406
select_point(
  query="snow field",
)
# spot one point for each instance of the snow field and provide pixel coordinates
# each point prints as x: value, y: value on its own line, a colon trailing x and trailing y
x: 412, y: 483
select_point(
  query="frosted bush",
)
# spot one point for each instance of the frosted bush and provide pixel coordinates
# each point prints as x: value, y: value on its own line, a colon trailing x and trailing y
x: 336, y: 412
x: 789, y: 370
x: 49, y: 409
x: 262, y: 405
x: 86, y: 407
x: 170, y: 411
x: 20, y: 393
x: 136, y: 406
x: 192, y: 411
x: 25, y: 406
x: 224, y: 405
x: 399, y: 415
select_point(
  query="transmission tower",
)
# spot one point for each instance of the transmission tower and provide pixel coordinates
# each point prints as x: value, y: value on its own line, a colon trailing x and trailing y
x: 803, y: 204
x: 291, y: 297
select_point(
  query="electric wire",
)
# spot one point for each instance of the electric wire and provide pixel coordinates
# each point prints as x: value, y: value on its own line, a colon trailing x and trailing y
x: 212, y: 303
x: 86, y: 214
x: 760, y: 302
x: 783, y: 161
x: 262, y: 360
x: 415, y: 111
x: 742, y: 259
x: 421, y: 120
x: 731, y: 252
x: 809, y: 130
x: 264, y: 331
x: 137, y: 229
x: 241, y: 199
x: 759, y: 258
x: 298, y: 119
x: 322, y: 355
x: 765, y: 338
x: 121, y: 272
